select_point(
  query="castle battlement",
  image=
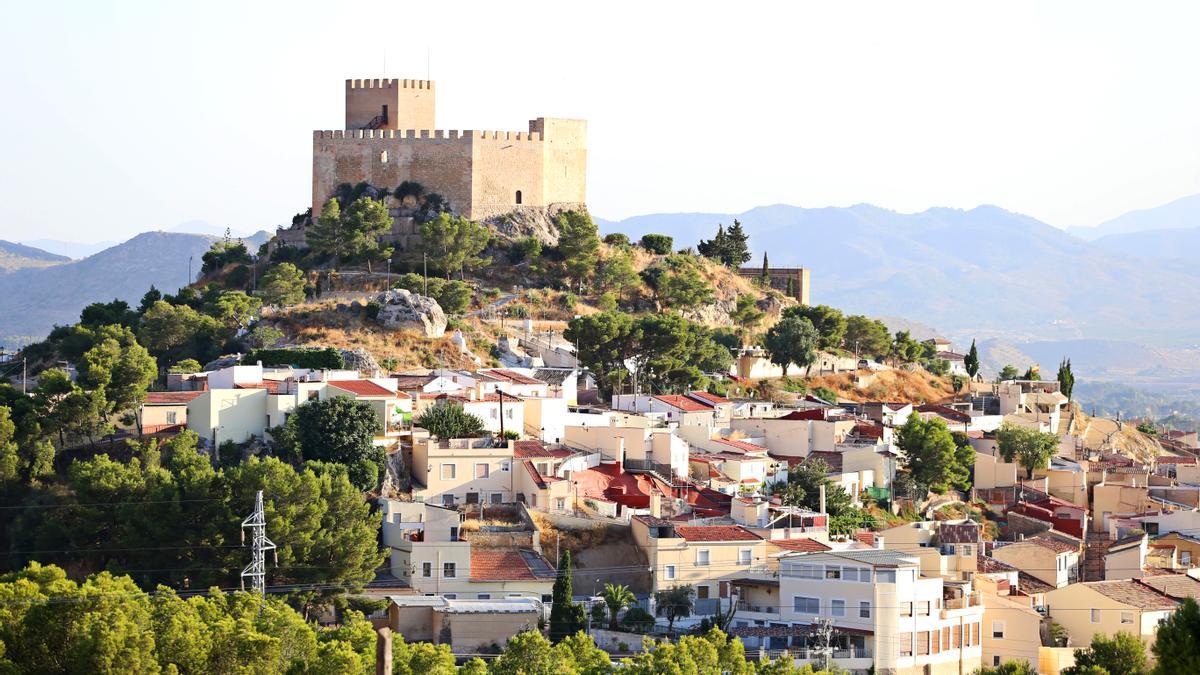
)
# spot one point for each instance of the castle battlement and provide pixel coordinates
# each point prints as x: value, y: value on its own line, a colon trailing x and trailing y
x: 389, y: 84
x: 391, y: 136
x: 359, y: 135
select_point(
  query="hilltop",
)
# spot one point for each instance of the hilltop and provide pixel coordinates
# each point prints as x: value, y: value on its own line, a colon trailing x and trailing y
x: 15, y: 257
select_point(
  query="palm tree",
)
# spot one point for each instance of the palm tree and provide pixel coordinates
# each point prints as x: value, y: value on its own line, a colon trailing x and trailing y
x: 617, y: 598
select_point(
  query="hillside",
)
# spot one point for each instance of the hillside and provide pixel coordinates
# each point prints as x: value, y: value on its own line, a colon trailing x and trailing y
x: 981, y: 272
x: 32, y: 301
x: 15, y: 257
x: 915, y: 387
x: 1168, y: 244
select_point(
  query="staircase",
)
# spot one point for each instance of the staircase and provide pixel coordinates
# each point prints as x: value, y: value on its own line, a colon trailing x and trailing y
x: 376, y: 122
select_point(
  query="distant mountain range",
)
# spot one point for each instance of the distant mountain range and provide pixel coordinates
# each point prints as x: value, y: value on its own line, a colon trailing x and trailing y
x: 1181, y: 213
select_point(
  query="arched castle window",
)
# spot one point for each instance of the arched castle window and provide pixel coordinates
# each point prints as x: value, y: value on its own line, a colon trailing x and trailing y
x: 383, y: 157
x: 518, y: 196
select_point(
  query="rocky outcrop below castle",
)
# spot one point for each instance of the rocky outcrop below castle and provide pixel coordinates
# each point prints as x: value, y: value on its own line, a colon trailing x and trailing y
x: 401, y: 309
x: 531, y: 221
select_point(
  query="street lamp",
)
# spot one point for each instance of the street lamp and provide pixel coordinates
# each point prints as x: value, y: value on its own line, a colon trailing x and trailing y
x: 389, y: 274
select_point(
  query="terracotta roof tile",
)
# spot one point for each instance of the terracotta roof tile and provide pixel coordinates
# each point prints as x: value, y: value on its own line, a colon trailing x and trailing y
x: 741, y: 446
x: 1132, y: 593
x: 511, y: 376
x: 715, y: 533
x: 705, y: 397
x: 1178, y: 586
x: 989, y: 565
x: 508, y: 565
x: 803, y: 545
x: 683, y: 403
x: 529, y: 449
x: 960, y: 533
x: 170, y: 397
x: 361, y: 387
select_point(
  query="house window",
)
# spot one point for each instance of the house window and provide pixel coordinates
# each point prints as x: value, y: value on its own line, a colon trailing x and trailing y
x: 998, y: 630
x: 833, y: 572
x: 934, y: 642
x: 906, y: 644
x: 518, y: 196
x: 449, y: 471
x: 472, y: 497
x: 171, y: 416
x: 948, y: 549
x: 1185, y: 557
x: 745, y: 555
x: 427, y: 569
x: 837, y: 608
x: 504, y: 465
x: 533, y: 499
x: 383, y: 157
x: 1126, y: 617
x: 447, y: 500
x: 448, y: 570
x: 669, y: 572
x: 702, y: 557
x: 509, y: 413
x: 484, y: 596
x: 967, y: 551
x: 885, y: 577
x: 996, y: 660
x: 974, y: 635
x: 495, y: 413
x: 955, y: 636
x: 945, y: 638
x: 450, y: 596
x: 560, y: 504
x: 482, y: 470
x: 803, y: 605
x: 1095, y: 616
x: 807, y: 571
x: 864, y: 609
x: 906, y: 609
x: 922, y: 608
x: 454, y: 534
x: 923, y: 643
x: 313, y: 395
x: 702, y: 592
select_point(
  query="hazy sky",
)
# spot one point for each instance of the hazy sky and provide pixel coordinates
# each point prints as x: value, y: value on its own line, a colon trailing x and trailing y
x: 120, y: 117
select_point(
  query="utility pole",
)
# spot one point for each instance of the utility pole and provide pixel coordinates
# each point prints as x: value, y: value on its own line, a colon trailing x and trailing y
x: 425, y: 276
x: 24, y: 374
x: 259, y: 545
x: 389, y: 275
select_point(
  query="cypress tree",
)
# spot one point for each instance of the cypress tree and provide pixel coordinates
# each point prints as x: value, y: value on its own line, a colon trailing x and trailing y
x: 971, y: 362
x: 566, y: 617
x: 737, y: 246
x: 766, y: 271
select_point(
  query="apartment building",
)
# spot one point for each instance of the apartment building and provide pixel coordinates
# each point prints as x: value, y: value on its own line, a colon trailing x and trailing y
x: 885, y: 615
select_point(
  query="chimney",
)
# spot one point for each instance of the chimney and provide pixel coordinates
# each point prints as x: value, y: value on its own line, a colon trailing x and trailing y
x: 879, y: 542
x: 383, y: 651
x: 822, y: 502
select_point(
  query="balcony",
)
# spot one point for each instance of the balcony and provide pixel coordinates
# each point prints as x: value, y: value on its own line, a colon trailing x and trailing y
x: 761, y: 609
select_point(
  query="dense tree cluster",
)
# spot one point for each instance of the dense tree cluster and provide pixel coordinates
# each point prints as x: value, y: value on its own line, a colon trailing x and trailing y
x: 933, y: 457
x: 353, y: 234
x: 729, y: 247
x: 667, y: 352
x: 452, y: 295
x: 166, y: 515
x: 1030, y: 448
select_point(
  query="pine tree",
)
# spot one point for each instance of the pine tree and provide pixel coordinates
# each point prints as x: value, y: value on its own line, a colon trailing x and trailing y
x: 971, y: 362
x: 737, y: 246
x: 716, y: 247
x: 566, y: 616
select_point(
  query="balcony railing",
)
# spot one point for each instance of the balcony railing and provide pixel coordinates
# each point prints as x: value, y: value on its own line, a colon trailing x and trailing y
x: 763, y: 609
x: 807, y: 654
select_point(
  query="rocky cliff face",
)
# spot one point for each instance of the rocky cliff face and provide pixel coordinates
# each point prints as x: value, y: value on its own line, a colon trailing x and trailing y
x: 531, y: 221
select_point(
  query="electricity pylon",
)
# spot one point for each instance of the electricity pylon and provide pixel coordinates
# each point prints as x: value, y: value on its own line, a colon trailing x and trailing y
x: 259, y: 545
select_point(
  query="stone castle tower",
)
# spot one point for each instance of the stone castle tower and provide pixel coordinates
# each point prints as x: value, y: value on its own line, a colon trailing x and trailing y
x: 391, y: 137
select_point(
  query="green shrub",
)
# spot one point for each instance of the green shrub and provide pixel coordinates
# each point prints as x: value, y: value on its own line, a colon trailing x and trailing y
x: 616, y: 239
x: 569, y: 300
x: 525, y: 248
x: 657, y: 243
x: 300, y: 358
x: 607, y: 302
x: 518, y: 311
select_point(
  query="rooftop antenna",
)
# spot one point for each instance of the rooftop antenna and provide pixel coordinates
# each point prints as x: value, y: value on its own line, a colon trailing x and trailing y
x: 259, y: 545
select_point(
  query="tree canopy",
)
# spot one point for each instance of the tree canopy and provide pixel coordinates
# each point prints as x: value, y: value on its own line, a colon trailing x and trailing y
x: 829, y: 323
x: 341, y: 429
x: 729, y: 247
x: 450, y: 421
x: 579, y: 245
x: 793, y: 340
x: 1122, y: 653
x: 1177, y: 643
x: 1030, y: 448
x: 282, y: 285
x: 931, y: 456
x: 454, y: 244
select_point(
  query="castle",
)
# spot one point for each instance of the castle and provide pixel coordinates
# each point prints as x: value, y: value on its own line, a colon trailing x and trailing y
x: 391, y: 137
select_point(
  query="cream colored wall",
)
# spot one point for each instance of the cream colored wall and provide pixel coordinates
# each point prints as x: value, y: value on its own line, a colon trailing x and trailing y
x: 237, y: 414
x: 1072, y: 606
x: 415, y: 624
x: 1068, y: 485
x: 411, y: 103
x: 428, y: 459
x: 156, y: 415
x: 1126, y: 564
x: 607, y: 439
x: 472, y: 632
x: 1117, y: 499
x: 993, y: 472
x: 1037, y: 561
x: 723, y: 562
x: 1022, y: 631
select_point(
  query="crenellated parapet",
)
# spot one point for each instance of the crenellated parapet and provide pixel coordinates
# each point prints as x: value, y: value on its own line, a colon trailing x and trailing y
x: 425, y: 135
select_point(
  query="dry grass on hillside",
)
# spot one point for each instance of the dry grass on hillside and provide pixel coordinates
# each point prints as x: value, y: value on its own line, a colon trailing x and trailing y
x: 319, y: 324
x: 890, y: 385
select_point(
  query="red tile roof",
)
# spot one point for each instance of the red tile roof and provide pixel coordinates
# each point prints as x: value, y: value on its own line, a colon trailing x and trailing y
x: 683, y: 403
x: 715, y: 533
x: 705, y: 397
x: 508, y: 565
x: 1166, y: 459
x: 867, y: 538
x: 528, y: 449
x: 833, y: 459
x: 512, y: 376
x: 741, y: 446
x: 1056, y: 545
x: 170, y: 397
x: 272, y: 386
x: 960, y: 533
x: 1132, y: 593
x: 361, y: 387
x: 804, y: 545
